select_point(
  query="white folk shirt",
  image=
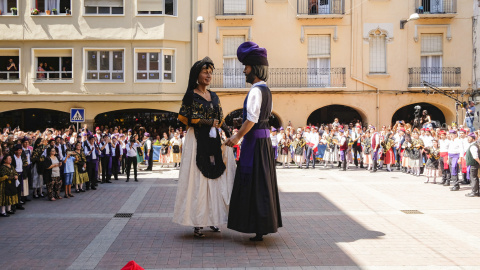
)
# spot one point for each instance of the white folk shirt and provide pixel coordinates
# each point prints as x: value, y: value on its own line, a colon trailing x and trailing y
x: 342, y: 140
x: 456, y: 147
x: 398, y: 140
x: 428, y: 141
x: 444, y: 144
x: 254, y: 102
x: 94, y: 155
x: 274, y: 139
x: 377, y: 140
x: 466, y: 144
x: 355, y: 135
x: 19, y: 163
x: 313, y: 138
x: 132, y: 151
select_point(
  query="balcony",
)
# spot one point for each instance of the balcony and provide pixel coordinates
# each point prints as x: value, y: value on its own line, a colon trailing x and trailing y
x: 440, y: 77
x: 233, y: 9
x: 284, y: 78
x: 435, y: 9
x: 320, y: 9
x: 9, y: 76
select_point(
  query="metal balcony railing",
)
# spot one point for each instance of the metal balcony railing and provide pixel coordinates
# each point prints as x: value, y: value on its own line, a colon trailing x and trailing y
x: 53, y: 75
x: 440, y: 77
x: 283, y: 78
x: 315, y: 7
x: 9, y: 76
x: 233, y: 7
x: 436, y: 6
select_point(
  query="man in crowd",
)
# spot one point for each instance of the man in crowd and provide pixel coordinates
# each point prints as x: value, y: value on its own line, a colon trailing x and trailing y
x: 92, y: 155
x: 106, y: 151
x: 357, y: 146
x: 473, y: 162
x: 470, y: 115
x: 311, y: 140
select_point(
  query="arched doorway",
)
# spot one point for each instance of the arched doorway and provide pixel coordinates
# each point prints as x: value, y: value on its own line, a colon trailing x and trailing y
x: 327, y: 114
x: 406, y: 113
x: 132, y: 118
x: 35, y: 119
x: 274, y: 120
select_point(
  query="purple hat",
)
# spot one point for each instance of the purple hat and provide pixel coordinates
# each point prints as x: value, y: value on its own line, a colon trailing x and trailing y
x: 147, y: 134
x: 281, y: 128
x: 452, y: 132
x: 274, y: 129
x: 121, y: 135
x: 249, y: 53
x: 130, y: 130
x: 341, y: 130
x: 25, y: 139
x: 472, y: 135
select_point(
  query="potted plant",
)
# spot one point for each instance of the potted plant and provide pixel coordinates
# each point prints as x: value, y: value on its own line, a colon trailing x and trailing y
x: 48, y: 12
x: 14, y: 11
x: 34, y: 11
x: 54, y: 11
x: 67, y: 11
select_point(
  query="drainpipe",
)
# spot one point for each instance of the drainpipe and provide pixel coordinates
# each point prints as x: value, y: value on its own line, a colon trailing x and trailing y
x: 352, y: 75
x: 192, y: 31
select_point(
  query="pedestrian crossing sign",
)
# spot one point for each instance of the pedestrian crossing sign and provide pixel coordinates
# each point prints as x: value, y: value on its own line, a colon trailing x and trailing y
x: 77, y: 115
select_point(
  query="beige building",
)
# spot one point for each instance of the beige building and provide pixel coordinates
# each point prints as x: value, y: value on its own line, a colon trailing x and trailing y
x: 100, y: 55
x: 344, y: 58
x: 328, y: 58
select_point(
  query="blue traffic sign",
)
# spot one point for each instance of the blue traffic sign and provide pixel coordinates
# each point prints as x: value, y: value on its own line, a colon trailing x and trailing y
x: 77, y: 115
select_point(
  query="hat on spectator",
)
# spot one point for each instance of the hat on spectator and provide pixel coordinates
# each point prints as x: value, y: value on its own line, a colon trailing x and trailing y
x: 452, y: 132
x: 472, y: 135
x: 341, y: 130
x: 25, y: 139
x: 147, y: 134
x: 314, y: 127
x: 462, y: 130
x: 281, y: 128
x: 130, y: 130
x: 249, y: 53
x: 91, y: 137
x: 307, y: 127
x: 274, y: 130
x: 51, y: 140
x: 97, y: 128
x: 402, y: 129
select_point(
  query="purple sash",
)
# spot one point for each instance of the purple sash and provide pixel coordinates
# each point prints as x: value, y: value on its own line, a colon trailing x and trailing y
x: 454, y: 163
x: 248, y: 148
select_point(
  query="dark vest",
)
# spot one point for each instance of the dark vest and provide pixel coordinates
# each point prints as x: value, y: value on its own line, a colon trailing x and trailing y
x: 469, y: 158
x: 265, y: 110
x: 344, y: 146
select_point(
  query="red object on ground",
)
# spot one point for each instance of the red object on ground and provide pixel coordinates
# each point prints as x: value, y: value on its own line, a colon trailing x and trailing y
x: 132, y: 265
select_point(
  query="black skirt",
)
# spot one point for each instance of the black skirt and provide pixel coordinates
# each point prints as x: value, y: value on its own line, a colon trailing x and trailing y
x: 254, y: 204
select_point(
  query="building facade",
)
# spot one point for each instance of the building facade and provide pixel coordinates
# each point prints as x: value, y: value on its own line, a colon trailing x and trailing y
x: 344, y: 58
x: 100, y: 55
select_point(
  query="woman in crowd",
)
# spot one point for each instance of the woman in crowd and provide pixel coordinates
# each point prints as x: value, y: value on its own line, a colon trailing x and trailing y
x: 157, y: 140
x: 432, y: 164
x: 165, y: 150
x: 207, y: 173
x: 367, y: 149
x: 416, y: 153
x: 80, y: 175
x: 51, y: 175
x: 283, y: 149
x: 38, y: 167
x: 387, y: 146
x: 175, y: 147
x: 299, y: 147
x: 407, y: 152
x: 331, y: 152
x: 8, y: 189
x: 132, y: 156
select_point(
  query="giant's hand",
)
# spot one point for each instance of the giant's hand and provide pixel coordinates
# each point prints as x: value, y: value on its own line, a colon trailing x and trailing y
x: 232, y: 141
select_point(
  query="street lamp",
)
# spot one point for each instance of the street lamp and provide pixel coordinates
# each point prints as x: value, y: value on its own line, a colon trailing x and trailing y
x: 200, y: 20
x: 414, y: 16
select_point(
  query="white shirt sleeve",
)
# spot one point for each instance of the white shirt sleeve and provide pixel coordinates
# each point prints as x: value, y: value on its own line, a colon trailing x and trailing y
x: 254, y: 103
x: 474, y: 151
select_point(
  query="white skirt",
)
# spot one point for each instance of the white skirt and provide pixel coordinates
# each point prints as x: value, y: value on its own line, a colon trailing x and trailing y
x: 201, y: 201
x: 331, y: 156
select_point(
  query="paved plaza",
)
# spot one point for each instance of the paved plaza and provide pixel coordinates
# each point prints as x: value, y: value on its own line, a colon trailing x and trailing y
x: 332, y: 220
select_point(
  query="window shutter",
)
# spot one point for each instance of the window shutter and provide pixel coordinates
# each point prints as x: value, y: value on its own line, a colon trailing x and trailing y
x: 319, y: 46
x: 378, y: 61
x: 230, y: 45
x: 432, y: 44
x: 235, y: 6
x: 103, y: 3
x: 150, y: 5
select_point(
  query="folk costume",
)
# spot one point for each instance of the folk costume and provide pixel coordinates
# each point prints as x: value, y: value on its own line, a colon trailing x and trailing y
x: 299, y: 149
x: 416, y: 160
x: 8, y: 189
x: 164, y: 151
x: 80, y: 175
x: 432, y: 164
x: 255, y: 206
x: 388, y: 145
x: 331, y: 152
x: 284, y: 151
x: 471, y: 157
x: 367, y: 151
x: 38, y: 168
x: 443, y: 161
x: 208, y: 167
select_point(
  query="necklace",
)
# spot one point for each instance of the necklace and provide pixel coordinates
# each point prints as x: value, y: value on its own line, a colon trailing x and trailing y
x: 203, y: 93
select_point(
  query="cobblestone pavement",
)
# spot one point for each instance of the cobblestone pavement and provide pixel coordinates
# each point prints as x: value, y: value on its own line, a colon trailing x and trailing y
x: 332, y: 220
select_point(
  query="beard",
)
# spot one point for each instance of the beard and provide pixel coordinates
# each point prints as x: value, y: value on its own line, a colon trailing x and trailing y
x: 250, y: 77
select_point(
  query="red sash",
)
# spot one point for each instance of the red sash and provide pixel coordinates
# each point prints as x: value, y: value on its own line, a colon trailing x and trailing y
x: 444, y: 155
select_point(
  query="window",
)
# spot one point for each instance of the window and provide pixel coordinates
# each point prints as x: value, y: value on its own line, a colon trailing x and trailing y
x: 10, y: 65
x: 105, y: 65
x: 104, y: 7
x: 157, y: 7
x: 318, y: 60
x: 52, y: 65
x: 431, y: 58
x: 234, y: 6
x: 378, y: 52
x: 154, y: 65
x: 6, y: 5
x: 233, y: 76
x: 61, y: 6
